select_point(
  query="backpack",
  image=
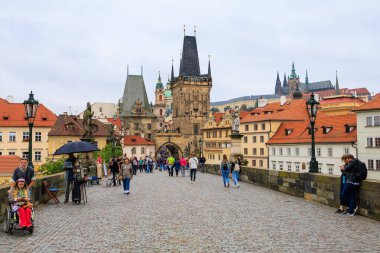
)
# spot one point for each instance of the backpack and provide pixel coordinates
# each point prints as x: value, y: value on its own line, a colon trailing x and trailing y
x: 361, y: 171
x: 224, y: 166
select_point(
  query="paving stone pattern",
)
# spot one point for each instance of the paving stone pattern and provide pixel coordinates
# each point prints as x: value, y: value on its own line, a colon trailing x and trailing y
x: 165, y: 214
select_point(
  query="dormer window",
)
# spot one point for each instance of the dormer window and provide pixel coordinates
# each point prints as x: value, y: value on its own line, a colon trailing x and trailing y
x: 44, y: 117
x: 94, y: 128
x: 349, y: 128
x: 69, y: 126
x: 326, y: 129
x: 5, y: 116
x: 288, y: 131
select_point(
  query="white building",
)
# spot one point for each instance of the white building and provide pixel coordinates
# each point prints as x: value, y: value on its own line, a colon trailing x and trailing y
x: 103, y: 110
x: 368, y: 122
x: 135, y: 145
x: 290, y: 147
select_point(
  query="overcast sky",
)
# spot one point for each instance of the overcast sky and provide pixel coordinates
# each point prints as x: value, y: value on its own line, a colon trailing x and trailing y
x: 73, y: 51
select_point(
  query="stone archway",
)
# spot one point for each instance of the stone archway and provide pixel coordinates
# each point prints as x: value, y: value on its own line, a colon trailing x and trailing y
x: 169, y: 148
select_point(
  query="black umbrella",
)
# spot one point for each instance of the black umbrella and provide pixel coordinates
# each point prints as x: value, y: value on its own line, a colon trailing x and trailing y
x: 76, y: 147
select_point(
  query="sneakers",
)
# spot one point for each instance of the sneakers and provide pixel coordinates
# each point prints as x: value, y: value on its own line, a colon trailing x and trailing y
x: 345, y: 212
x: 128, y: 192
x: 193, y: 182
x: 125, y: 192
x: 228, y: 185
x: 238, y: 186
x: 350, y: 214
x: 339, y: 211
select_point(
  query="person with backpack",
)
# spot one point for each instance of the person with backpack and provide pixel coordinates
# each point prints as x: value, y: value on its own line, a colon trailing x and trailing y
x: 235, y: 168
x: 183, y: 163
x: 193, y: 165
x: 357, y: 172
x: 225, y: 171
x: 177, y: 166
x: 343, y: 179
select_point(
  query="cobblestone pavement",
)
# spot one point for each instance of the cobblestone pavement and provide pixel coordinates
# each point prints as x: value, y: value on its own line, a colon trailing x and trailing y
x: 165, y: 214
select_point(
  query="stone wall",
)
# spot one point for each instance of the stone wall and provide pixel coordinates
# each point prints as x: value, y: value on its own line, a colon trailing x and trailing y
x: 39, y: 194
x: 320, y: 188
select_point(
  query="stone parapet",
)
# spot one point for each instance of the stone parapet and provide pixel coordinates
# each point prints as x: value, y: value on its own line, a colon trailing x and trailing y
x: 320, y: 188
x: 39, y: 194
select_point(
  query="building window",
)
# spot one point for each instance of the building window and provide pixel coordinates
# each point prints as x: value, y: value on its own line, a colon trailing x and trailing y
x: 261, y: 139
x: 297, y: 151
x: 136, y: 126
x: 319, y: 168
x: 149, y: 136
x: 245, y: 151
x: 255, y: 127
x: 12, y: 136
x: 1, y: 136
x: 377, y: 120
x: 261, y: 163
x: 274, y: 165
x: 214, y: 134
x: 254, y: 163
x: 226, y: 133
x: 262, y: 126
x: 1, y: 153
x: 289, y: 151
x: 142, y: 150
x: 37, y: 156
x: 220, y: 134
x: 369, y: 121
x: 280, y: 151
x: 309, y: 151
x: 281, y: 166
x: 273, y: 151
x: 254, y: 151
x: 261, y: 151
x: 149, y: 126
x: 219, y: 158
x: 297, y: 165
x: 160, y: 98
x: 160, y: 112
x: 329, y: 152
x: 289, y: 165
x: 377, y: 142
x: 245, y: 139
x: 25, y: 155
x: 11, y: 153
x: 330, y: 168
x: 246, y: 127
x: 196, y: 129
x: 37, y: 136
x: 346, y: 151
x: 370, y: 164
x: 369, y: 142
x: 377, y: 164
x: 254, y: 139
x: 318, y: 151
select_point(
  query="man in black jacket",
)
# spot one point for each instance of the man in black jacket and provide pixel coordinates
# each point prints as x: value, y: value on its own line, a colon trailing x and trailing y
x: 352, y: 185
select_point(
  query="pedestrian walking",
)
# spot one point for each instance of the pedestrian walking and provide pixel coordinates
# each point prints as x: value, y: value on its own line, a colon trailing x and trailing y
x: 141, y: 163
x: 177, y: 167
x: 171, y: 161
x: 343, y: 180
x: 202, y: 162
x: 114, y: 167
x: 235, y: 168
x: 183, y: 163
x: 193, y: 164
x: 225, y: 171
x: 134, y: 165
x: 126, y: 175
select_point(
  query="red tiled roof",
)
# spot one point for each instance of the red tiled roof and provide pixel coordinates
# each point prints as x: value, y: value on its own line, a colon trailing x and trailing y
x: 116, y: 122
x: 300, y: 134
x: 135, y: 140
x: 16, y: 115
x: 333, y: 100
x: 290, y: 111
x: 359, y: 91
x: 218, y: 116
x: 70, y: 125
x: 373, y: 104
x: 8, y: 163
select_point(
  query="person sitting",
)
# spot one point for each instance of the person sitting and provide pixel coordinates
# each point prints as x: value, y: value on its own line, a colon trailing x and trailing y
x: 20, y: 195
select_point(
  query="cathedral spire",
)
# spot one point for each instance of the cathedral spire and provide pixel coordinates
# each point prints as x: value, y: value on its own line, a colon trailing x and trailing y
x: 284, y: 83
x: 337, y: 90
x: 172, y: 77
x: 209, y: 67
x: 189, y: 60
x: 293, y: 74
x: 278, y: 90
x: 307, y: 82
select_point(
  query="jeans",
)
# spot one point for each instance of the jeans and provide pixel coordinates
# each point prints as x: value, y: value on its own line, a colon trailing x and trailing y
x: 342, y: 184
x: 141, y: 168
x: 192, y: 174
x: 349, y: 196
x: 176, y: 171
x: 68, y: 187
x: 235, y: 177
x: 183, y: 170
x: 126, y: 183
x: 134, y: 169
x: 147, y: 168
x: 170, y: 170
x: 225, y: 175
x: 201, y: 167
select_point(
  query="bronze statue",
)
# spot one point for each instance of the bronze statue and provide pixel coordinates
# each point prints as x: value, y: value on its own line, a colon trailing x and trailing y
x: 87, y: 121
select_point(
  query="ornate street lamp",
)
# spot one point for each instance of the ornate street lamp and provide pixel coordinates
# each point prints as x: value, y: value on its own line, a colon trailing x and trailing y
x: 312, y: 108
x: 31, y: 106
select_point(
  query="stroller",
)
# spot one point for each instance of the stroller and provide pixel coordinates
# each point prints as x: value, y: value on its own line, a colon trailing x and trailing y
x: 11, y: 218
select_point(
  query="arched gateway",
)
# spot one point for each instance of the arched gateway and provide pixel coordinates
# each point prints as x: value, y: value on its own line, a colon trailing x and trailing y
x: 169, y: 148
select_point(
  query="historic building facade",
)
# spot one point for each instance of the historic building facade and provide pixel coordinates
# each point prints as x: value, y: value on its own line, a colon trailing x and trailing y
x: 159, y: 104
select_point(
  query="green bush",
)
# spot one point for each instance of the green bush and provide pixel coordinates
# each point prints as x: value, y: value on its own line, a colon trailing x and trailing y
x: 106, y: 152
x: 52, y: 167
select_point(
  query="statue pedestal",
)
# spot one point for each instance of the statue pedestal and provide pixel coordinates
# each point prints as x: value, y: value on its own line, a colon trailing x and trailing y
x: 236, y: 143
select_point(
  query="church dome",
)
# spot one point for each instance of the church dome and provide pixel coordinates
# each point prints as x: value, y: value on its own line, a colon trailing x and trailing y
x: 297, y: 94
x: 168, y: 93
x: 159, y: 86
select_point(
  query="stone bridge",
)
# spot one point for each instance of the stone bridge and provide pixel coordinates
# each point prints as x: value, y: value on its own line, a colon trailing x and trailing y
x: 165, y: 214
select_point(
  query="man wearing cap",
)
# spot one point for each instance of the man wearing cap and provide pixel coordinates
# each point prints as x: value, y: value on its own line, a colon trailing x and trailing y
x: 26, y: 172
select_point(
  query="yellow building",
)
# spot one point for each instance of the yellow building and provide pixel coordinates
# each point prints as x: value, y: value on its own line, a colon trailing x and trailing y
x: 14, y: 131
x: 262, y: 123
x: 69, y: 128
x: 339, y: 104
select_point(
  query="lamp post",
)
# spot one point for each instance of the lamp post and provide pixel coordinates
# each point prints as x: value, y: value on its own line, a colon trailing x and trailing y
x: 312, y: 107
x: 31, y: 106
x: 200, y: 146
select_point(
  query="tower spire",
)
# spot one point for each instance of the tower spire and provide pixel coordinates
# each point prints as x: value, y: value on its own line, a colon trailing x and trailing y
x: 307, y: 82
x: 284, y: 83
x: 278, y: 90
x: 209, y: 67
x: 337, y: 90
x: 195, y: 31
x: 293, y: 74
x: 172, y: 77
x: 184, y: 30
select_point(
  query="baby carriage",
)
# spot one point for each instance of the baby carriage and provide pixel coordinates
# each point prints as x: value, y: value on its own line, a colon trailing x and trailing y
x: 11, y: 218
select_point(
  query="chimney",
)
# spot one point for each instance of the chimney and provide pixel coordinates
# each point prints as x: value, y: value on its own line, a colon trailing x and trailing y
x: 316, y: 97
x: 261, y: 102
x: 282, y: 100
x: 10, y: 99
x: 65, y: 113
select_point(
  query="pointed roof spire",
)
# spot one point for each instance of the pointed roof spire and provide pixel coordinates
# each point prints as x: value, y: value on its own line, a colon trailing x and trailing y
x: 306, y: 79
x: 159, y: 76
x: 278, y: 90
x: 195, y: 31
x: 284, y: 83
x: 172, y: 77
x: 189, y: 65
x: 337, y: 90
x: 184, y: 30
x: 209, y: 67
x: 159, y: 85
x: 293, y: 74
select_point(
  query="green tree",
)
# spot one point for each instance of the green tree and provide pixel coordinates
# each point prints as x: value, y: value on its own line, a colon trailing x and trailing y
x: 107, y: 152
x: 52, y: 167
x: 214, y: 109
